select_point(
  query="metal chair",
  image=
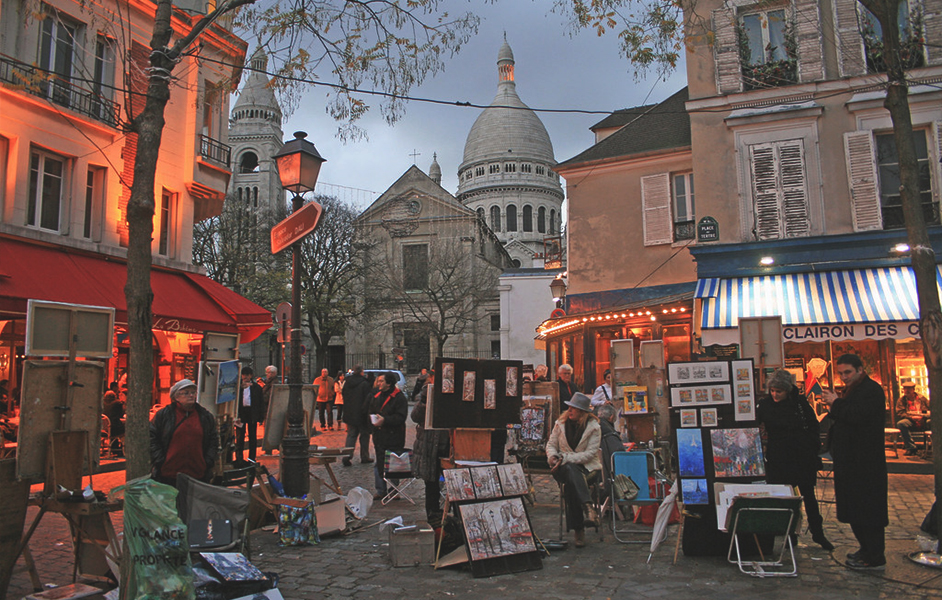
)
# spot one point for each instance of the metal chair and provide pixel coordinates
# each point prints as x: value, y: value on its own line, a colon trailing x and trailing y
x: 199, y: 501
x: 397, y: 473
x: 595, y: 489
x: 770, y: 515
x: 641, y: 467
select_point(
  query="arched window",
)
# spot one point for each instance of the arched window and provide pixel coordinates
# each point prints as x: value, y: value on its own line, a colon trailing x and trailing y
x: 248, y: 163
x: 239, y: 194
x: 511, y: 217
x: 541, y: 220
x: 552, y: 222
x: 255, y: 197
x: 481, y: 215
x: 495, y: 218
x: 528, y: 218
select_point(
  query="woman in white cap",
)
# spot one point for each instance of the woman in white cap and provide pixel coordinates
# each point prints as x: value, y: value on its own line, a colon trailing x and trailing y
x: 183, y: 437
x: 573, y: 454
x: 791, y: 455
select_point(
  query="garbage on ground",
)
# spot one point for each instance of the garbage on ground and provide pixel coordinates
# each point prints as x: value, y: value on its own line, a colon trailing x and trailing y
x: 359, y: 501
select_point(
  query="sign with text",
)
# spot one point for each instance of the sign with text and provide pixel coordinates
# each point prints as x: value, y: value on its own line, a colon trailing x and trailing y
x: 708, y: 230
x: 295, y: 227
x: 899, y: 330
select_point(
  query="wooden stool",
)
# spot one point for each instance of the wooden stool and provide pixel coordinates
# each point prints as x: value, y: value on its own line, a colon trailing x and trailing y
x: 891, y: 440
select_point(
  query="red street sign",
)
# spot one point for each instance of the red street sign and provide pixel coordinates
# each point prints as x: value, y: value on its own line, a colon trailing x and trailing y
x: 295, y: 227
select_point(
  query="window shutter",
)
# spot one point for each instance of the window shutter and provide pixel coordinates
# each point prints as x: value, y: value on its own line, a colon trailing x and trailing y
x: 808, y: 33
x: 937, y: 126
x: 764, y: 191
x: 850, y: 42
x: 932, y: 28
x: 862, y: 176
x: 726, y: 52
x: 656, y: 209
x: 794, y: 193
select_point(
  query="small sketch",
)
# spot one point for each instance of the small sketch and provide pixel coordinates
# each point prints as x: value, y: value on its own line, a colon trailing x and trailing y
x: 695, y: 491
x: 686, y: 396
x: 688, y: 417
x: 467, y: 391
x: 532, y: 424
x: 700, y: 372
x: 683, y: 373
x: 448, y: 378
x: 716, y: 372
x: 512, y: 379
x: 496, y: 528
x: 744, y: 407
x: 486, y: 482
x: 458, y: 485
x: 708, y: 417
x: 718, y: 394
x: 490, y: 394
x: 743, y: 390
x: 702, y: 394
x: 513, y: 481
x: 742, y: 374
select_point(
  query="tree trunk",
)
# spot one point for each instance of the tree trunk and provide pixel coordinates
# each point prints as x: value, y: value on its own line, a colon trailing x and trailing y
x: 923, y: 256
x: 149, y: 128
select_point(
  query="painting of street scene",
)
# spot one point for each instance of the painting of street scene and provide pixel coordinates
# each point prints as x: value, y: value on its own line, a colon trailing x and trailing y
x: 513, y: 481
x: 497, y: 528
x: 486, y: 483
x: 737, y: 452
x: 458, y: 485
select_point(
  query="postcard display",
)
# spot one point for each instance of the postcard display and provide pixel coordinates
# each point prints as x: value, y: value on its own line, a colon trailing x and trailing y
x: 489, y: 500
x: 713, y: 422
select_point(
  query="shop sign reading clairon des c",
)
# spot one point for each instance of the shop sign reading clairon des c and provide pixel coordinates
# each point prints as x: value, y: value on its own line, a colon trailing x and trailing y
x: 851, y: 331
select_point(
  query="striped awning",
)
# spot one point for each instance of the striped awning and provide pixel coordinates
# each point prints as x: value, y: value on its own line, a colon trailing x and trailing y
x: 855, y: 296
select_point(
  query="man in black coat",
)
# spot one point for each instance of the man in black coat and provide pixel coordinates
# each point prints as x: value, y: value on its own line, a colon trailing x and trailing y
x: 251, y: 401
x: 860, y: 482
x: 566, y: 386
x: 356, y: 404
x: 389, y: 410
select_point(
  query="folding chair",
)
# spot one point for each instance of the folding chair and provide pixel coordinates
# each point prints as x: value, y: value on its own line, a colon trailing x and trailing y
x: 767, y: 515
x: 595, y: 490
x: 397, y: 473
x: 640, y: 466
x: 200, y: 502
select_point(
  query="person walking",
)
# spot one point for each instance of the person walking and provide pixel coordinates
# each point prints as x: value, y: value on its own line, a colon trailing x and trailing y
x: 860, y: 480
x: 356, y: 400
x: 338, y: 398
x: 325, y: 400
x: 389, y: 410
x: 793, y: 441
x: 250, y: 412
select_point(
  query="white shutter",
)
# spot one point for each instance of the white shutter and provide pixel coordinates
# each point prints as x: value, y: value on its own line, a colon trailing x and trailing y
x: 850, y: 42
x: 726, y: 51
x: 862, y: 177
x: 794, y: 193
x: 765, y: 192
x: 656, y: 209
x: 808, y: 31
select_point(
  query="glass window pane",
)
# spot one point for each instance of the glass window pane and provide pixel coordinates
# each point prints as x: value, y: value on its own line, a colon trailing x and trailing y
x: 777, y: 34
x: 752, y: 27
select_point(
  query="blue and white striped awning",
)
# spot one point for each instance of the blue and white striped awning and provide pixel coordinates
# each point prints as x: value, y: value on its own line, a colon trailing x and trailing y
x: 856, y: 296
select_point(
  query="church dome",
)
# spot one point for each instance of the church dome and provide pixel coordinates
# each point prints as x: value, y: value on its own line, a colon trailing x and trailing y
x: 507, y: 129
x: 257, y: 100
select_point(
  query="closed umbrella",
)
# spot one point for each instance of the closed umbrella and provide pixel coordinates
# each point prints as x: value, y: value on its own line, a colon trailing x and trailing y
x: 660, y: 521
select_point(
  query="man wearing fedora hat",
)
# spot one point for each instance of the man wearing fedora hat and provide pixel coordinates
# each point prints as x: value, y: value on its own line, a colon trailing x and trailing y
x: 183, y: 437
x: 911, y: 410
x: 573, y: 455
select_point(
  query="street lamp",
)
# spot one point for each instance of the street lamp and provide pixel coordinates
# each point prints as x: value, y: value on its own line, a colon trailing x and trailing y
x: 558, y: 287
x: 299, y: 163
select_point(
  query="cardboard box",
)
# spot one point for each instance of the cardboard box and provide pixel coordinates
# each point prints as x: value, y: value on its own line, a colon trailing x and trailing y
x: 331, y: 517
x: 412, y: 546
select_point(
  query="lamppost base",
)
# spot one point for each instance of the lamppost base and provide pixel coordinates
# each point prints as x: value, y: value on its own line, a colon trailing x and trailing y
x: 294, y: 462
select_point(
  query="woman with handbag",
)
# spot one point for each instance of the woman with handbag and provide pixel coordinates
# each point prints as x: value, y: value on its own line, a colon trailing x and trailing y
x: 573, y: 455
x: 793, y: 442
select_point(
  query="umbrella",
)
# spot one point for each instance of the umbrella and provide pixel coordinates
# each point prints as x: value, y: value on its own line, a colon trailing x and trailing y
x: 660, y: 521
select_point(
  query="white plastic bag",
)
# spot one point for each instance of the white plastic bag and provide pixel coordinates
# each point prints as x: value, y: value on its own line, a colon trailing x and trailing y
x: 359, y: 501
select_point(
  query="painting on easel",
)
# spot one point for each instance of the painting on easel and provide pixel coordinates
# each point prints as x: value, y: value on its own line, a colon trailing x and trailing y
x: 497, y: 528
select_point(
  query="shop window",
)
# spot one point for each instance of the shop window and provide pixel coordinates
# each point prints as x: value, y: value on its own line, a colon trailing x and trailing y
x: 888, y: 171
x: 46, y: 183
x: 415, y: 267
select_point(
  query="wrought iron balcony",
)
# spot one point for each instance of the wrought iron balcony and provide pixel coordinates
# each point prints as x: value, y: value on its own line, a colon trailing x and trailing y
x: 215, y: 150
x: 44, y: 84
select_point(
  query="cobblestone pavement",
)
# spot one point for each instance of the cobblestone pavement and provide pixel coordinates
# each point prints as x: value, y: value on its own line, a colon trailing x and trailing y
x: 356, y: 564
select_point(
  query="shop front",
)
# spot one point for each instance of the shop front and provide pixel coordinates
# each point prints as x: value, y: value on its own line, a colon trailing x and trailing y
x: 194, y: 318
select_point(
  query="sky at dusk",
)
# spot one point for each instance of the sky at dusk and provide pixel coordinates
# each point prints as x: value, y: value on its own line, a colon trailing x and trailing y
x: 553, y: 71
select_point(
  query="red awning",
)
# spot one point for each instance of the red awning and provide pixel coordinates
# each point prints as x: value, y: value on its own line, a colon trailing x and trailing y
x: 183, y: 301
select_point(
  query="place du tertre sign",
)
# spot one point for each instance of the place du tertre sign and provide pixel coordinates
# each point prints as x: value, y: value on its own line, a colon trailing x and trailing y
x: 295, y: 227
x: 708, y: 230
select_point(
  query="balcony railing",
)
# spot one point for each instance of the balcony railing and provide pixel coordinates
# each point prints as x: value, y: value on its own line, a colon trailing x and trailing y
x: 60, y: 91
x: 215, y: 150
x: 684, y: 230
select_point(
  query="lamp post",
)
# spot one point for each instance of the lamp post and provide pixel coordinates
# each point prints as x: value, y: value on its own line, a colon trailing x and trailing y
x: 558, y: 288
x: 299, y: 163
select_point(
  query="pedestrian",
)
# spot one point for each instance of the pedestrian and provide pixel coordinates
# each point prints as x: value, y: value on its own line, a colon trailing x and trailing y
x: 389, y: 410
x: 357, y: 392
x: 250, y: 411
x: 420, y: 382
x: 860, y: 480
x: 431, y: 445
x: 603, y: 393
x: 338, y: 398
x: 573, y: 456
x: 566, y: 387
x: 910, y: 415
x: 268, y: 387
x: 793, y: 442
x: 610, y: 442
x: 183, y: 437
x: 325, y: 400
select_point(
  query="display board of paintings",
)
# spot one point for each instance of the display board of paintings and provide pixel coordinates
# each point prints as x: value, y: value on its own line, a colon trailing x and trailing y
x: 482, y: 394
x: 484, y: 482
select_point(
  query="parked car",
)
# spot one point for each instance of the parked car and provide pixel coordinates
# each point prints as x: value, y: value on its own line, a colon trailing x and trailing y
x: 401, y: 384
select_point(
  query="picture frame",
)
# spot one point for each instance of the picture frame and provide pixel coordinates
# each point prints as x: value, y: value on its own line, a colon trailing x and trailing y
x: 496, y: 528
x: 737, y: 452
x: 490, y: 394
x: 513, y: 479
x: 695, y: 491
x: 688, y: 417
x: 708, y: 417
x: 458, y: 485
x: 652, y: 354
x: 690, y: 453
x: 744, y: 390
x: 697, y: 373
x: 467, y: 388
x: 512, y: 384
x: 486, y: 482
x: 228, y: 382
x: 702, y: 395
x: 448, y: 378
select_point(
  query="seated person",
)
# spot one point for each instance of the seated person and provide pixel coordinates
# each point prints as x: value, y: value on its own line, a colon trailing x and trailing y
x: 611, y: 441
x: 910, y: 415
x: 573, y: 455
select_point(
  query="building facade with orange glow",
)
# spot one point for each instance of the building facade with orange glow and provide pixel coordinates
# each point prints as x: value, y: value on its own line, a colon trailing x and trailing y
x: 72, y: 72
